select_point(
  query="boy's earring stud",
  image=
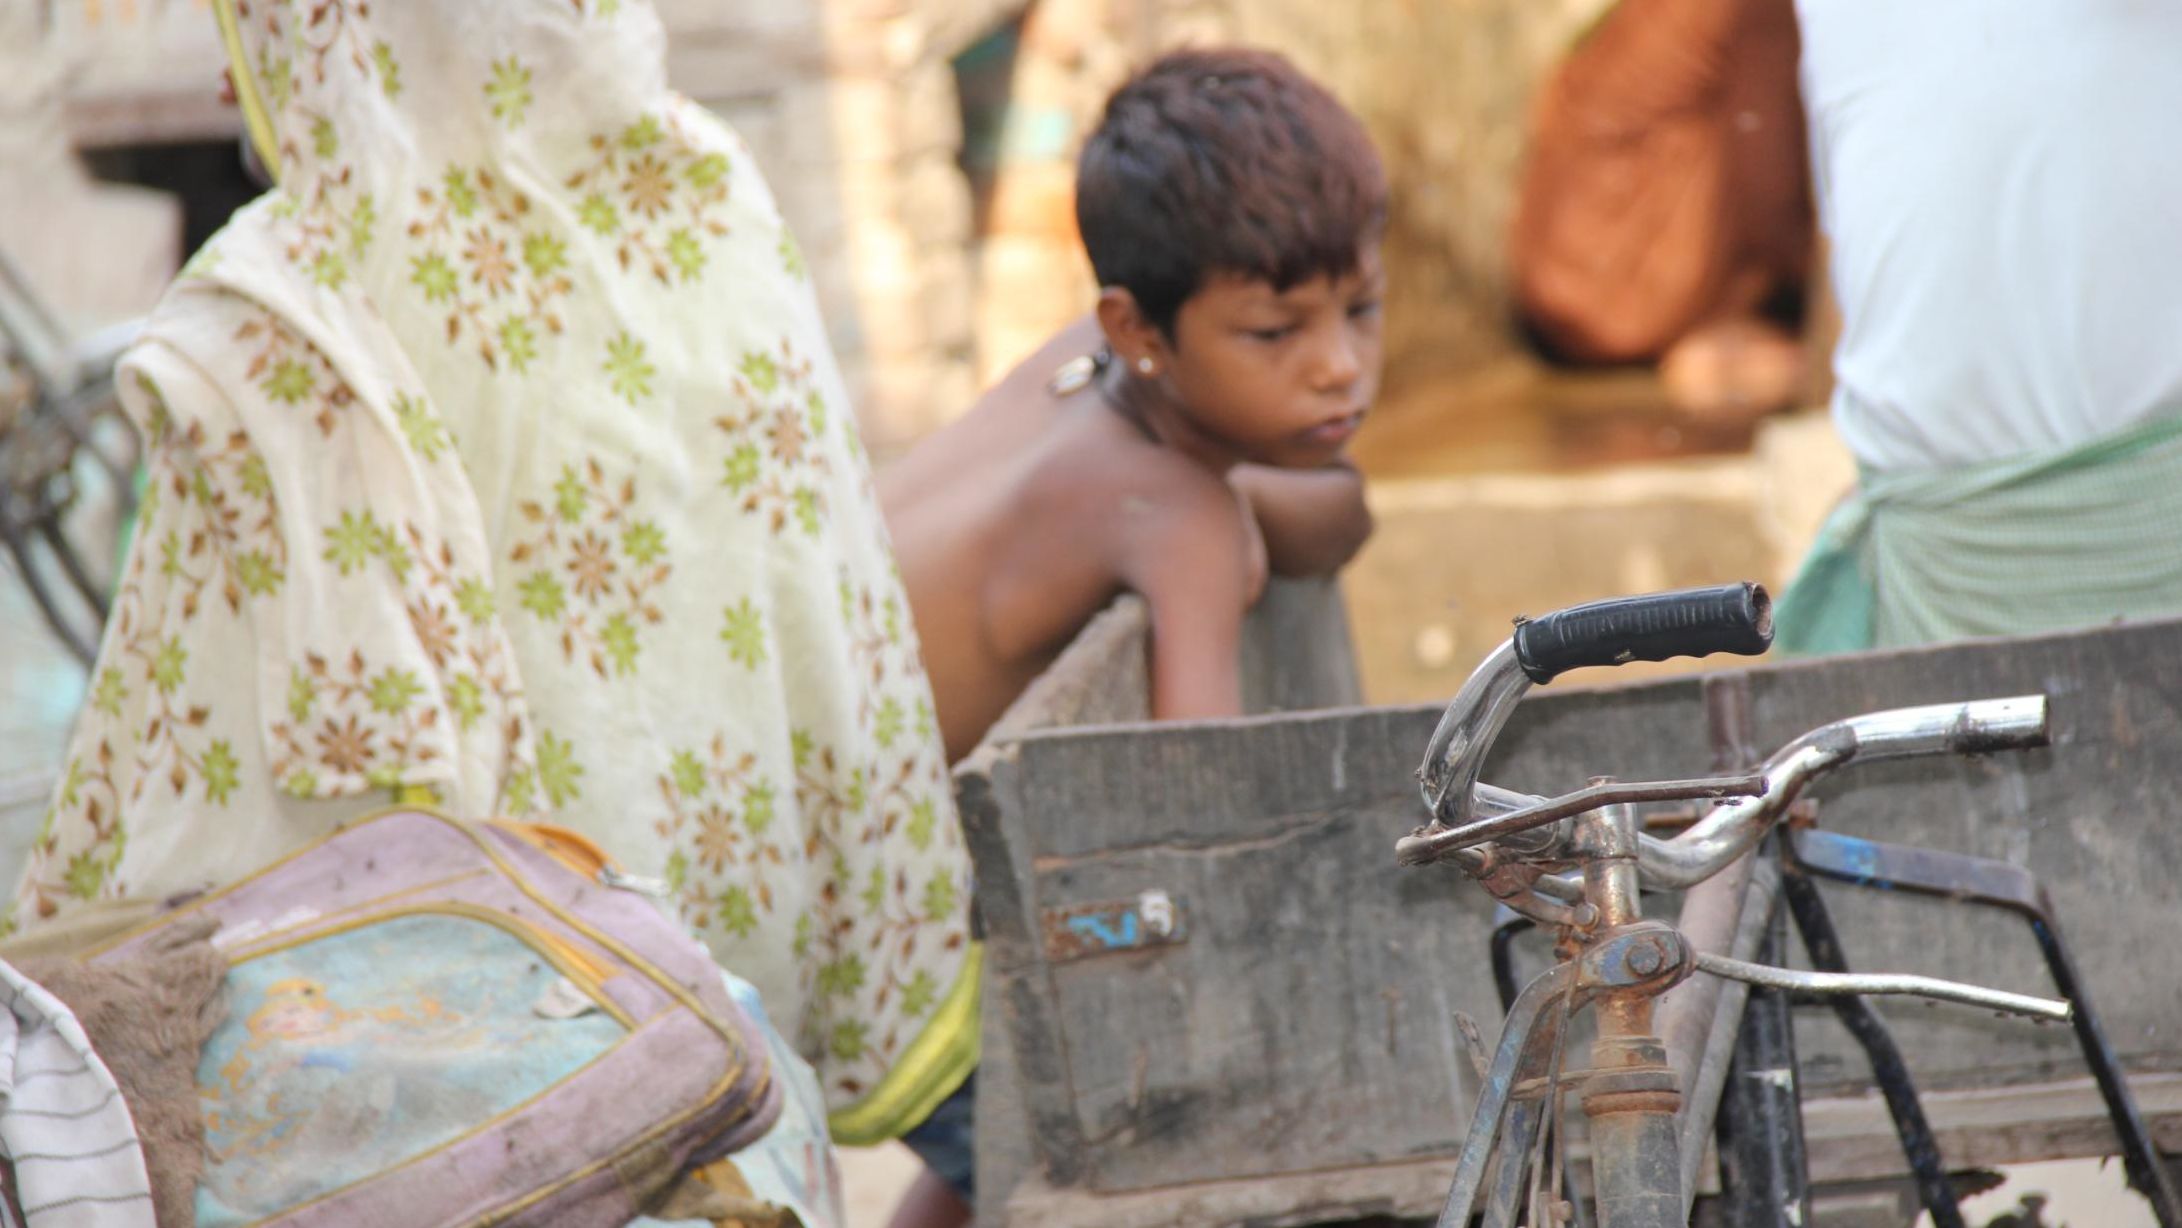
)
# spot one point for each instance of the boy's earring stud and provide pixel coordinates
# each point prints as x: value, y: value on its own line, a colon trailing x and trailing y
x: 1147, y: 366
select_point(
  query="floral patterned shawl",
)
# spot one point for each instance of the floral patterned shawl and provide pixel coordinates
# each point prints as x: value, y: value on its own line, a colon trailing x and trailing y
x: 498, y: 455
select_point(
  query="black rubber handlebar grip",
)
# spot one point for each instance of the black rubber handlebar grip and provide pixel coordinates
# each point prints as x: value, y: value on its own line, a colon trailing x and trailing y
x: 1691, y: 622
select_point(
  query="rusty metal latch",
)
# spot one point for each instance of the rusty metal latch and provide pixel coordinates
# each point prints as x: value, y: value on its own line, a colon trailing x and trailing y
x: 1152, y: 919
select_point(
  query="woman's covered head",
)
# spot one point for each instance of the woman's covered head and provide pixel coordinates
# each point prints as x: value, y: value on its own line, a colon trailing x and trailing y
x: 448, y: 80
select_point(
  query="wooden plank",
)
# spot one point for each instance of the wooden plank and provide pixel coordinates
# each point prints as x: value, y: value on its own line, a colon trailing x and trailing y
x: 1307, y: 1022
x: 1852, y: 1138
x: 1000, y: 1140
x: 1414, y: 1188
x: 1295, y: 653
x: 1304, y: 1025
x: 1024, y: 1036
x: 1102, y: 677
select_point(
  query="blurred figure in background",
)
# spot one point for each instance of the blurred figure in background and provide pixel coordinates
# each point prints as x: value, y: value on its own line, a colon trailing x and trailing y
x: 1664, y: 213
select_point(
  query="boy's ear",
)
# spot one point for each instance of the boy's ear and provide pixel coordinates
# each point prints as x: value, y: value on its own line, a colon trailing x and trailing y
x: 1129, y: 334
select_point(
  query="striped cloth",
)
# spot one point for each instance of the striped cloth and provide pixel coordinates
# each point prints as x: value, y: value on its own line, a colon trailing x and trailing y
x: 2070, y: 537
x: 63, y: 1124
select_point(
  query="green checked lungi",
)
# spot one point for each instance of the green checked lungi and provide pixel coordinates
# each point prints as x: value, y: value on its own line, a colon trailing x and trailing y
x: 2052, y: 540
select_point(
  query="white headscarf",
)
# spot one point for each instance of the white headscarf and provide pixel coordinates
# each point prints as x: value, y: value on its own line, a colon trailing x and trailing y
x: 499, y: 452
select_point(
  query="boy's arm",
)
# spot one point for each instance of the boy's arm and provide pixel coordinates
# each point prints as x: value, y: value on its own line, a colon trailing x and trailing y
x: 1191, y: 564
x: 1314, y: 520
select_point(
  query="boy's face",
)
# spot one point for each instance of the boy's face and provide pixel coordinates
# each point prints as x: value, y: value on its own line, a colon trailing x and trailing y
x: 1281, y: 377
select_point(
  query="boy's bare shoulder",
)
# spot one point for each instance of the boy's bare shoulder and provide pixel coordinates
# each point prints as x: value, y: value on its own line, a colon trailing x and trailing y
x: 1086, y: 459
x: 1102, y: 468
x: 1064, y: 471
x: 1143, y: 517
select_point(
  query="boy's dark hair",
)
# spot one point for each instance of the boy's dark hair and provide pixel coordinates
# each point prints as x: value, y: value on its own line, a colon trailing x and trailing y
x: 1224, y: 161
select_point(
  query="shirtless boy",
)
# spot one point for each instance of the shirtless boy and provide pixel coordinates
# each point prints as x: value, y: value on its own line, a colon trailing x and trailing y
x: 1188, y: 437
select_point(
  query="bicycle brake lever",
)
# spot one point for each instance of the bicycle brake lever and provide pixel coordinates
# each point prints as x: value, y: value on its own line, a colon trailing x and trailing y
x: 1430, y: 843
x: 1835, y: 984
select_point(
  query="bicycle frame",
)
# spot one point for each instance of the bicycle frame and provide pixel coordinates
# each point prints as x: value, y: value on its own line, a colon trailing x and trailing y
x: 65, y: 392
x: 1577, y: 862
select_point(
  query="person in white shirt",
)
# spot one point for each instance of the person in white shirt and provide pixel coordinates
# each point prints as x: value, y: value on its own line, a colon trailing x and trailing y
x: 2001, y: 182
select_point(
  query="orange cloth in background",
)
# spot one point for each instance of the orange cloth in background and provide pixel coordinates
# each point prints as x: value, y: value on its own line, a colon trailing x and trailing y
x: 1666, y: 186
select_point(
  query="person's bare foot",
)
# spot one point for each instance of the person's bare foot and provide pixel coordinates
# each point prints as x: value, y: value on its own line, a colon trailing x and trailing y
x: 1733, y: 371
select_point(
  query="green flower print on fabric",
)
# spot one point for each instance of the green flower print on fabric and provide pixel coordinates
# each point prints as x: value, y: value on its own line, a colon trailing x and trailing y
x: 432, y: 274
x: 390, y: 72
x: 738, y: 912
x: 289, y: 382
x: 501, y: 281
x: 509, y: 91
x: 626, y: 368
x: 558, y: 772
x: 658, y: 194
x: 720, y: 814
x: 168, y: 665
x: 743, y: 631
x: 848, y: 1042
x: 111, y: 690
x: 420, y: 426
x: 221, y: 772
x: 919, y: 994
x: 356, y: 540
x: 774, y: 457
x: 393, y: 690
x: 587, y: 563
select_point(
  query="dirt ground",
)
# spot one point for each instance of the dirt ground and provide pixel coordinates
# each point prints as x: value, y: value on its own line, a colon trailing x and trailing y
x: 2078, y: 1194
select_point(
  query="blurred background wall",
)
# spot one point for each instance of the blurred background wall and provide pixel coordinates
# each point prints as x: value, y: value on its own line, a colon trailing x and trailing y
x: 923, y: 152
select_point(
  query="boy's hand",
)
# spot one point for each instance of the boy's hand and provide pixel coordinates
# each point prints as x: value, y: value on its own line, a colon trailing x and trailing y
x: 1257, y: 563
x: 1312, y: 521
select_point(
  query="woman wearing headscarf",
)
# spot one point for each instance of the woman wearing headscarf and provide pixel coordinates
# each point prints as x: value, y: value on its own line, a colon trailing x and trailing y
x: 498, y: 458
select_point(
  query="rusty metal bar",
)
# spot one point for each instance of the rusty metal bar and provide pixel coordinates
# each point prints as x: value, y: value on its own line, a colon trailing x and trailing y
x: 1430, y: 844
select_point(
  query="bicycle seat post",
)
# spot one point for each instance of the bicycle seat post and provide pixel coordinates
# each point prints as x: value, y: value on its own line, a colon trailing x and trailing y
x: 1631, y: 1095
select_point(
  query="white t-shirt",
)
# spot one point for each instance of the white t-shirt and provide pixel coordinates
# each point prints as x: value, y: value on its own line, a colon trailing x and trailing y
x: 2002, y: 184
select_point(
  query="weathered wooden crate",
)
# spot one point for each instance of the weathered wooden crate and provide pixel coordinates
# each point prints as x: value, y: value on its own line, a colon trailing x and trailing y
x: 1289, y: 1055
x: 1296, y: 655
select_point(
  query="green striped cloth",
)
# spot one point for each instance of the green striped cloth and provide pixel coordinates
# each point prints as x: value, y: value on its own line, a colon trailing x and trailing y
x: 2067, y: 538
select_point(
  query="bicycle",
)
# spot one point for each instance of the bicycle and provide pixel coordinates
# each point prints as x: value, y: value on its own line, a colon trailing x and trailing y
x: 1575, y: 864
x: 61, y: 423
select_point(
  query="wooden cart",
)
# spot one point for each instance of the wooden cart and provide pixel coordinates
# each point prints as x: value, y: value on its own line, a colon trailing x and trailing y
x: 1213, y: 999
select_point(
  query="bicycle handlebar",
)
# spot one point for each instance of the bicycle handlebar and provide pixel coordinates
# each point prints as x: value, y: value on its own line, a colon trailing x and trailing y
x: 2018, y: 722
x: 2015, y: 723
x: 1694, y: 622
x: 1699, y: 621
x: 1731, y: 618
